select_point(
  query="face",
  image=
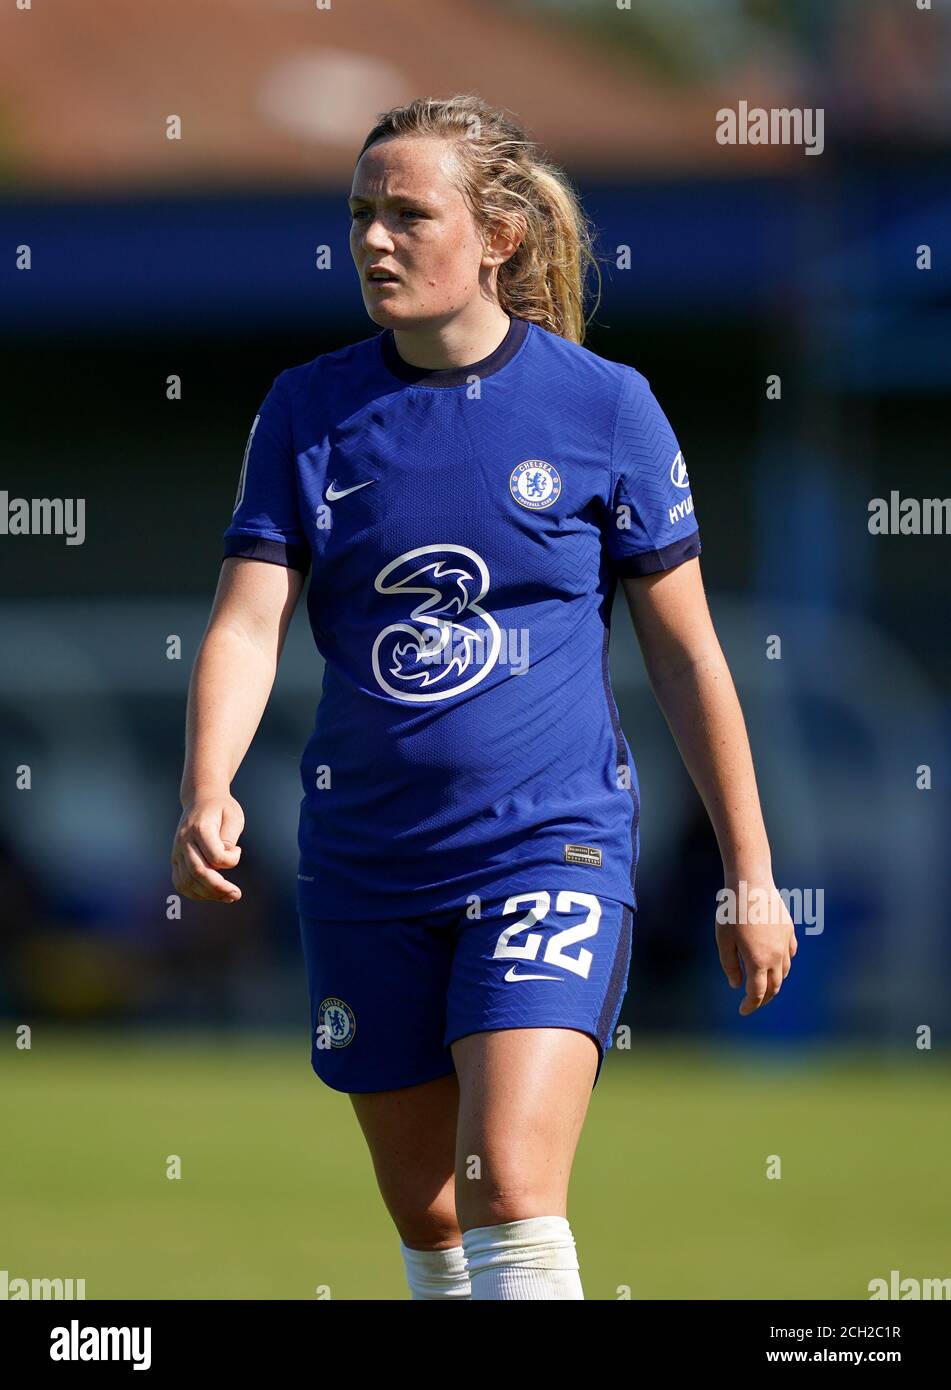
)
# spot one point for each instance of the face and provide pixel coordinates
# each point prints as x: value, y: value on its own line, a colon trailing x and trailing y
x: 410, y: 220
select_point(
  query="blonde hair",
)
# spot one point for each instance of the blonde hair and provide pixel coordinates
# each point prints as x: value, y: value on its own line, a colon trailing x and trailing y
x: 507, y: 183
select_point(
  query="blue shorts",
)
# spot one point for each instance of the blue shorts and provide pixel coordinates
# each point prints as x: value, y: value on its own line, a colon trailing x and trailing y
x: 387, y: 998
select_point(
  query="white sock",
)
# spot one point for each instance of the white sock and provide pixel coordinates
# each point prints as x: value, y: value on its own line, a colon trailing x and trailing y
x: 436, y: 1273
x: 534, y: 1258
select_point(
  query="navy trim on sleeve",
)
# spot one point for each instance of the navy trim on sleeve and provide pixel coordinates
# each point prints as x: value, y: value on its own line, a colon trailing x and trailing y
x: 667, y: 558
x: 295, y: 557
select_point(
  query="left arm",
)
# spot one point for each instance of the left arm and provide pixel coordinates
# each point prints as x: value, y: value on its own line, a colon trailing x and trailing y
x: 692, y: 684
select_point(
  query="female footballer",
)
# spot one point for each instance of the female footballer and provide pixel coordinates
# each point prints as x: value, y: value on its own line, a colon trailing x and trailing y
x: 467, y: 486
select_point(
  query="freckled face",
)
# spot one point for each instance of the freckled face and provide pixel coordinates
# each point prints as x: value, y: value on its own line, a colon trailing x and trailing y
x: 411, y: 220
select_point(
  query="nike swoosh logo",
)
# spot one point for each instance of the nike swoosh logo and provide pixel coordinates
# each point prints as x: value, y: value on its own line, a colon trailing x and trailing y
x: 333, y: 492
x: 511, y: 975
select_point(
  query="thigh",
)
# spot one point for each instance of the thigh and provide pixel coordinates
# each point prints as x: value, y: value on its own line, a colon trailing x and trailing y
x: 378, y: 1001
x: 523, y: 1096
x: 411, y: 1135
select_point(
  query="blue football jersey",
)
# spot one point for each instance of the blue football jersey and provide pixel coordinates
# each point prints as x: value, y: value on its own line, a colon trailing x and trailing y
x: 464, y: 529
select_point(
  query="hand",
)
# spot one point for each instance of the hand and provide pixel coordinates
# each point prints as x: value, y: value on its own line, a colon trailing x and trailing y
x: 765, y: 947
x: 206, y: 841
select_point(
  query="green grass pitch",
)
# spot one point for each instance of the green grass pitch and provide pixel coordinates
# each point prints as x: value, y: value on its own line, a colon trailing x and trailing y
x: 277, y: 1199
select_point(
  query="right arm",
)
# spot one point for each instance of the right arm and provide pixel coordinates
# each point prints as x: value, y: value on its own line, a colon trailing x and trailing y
x: 230, y: 684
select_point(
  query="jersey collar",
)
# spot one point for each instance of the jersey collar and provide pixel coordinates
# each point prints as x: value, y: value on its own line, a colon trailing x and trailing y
x: 454, y: 376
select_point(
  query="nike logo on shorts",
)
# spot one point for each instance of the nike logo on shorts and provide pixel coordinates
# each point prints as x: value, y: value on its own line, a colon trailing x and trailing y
x: 511, y: 976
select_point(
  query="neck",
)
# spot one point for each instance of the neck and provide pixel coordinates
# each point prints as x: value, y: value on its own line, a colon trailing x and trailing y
x: 456, y: 342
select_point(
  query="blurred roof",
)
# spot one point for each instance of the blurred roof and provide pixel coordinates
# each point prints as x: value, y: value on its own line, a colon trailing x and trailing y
x: 280, y: 91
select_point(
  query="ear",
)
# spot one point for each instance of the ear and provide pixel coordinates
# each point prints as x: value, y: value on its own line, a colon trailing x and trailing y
x: 501, y: 241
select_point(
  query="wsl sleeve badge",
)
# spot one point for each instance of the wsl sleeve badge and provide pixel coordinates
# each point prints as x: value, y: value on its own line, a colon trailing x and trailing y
x: 336, y: 1024
x: 535, y: 484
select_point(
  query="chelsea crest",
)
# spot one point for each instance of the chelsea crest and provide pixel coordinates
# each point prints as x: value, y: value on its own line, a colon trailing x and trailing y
x: 535, y: 484
x: 336, y: 1024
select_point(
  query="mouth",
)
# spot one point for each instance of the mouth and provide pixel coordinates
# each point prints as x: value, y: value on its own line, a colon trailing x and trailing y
x: 381, y: 277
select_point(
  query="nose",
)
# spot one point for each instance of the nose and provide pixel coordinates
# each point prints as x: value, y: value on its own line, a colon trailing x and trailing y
x: 374, y: 235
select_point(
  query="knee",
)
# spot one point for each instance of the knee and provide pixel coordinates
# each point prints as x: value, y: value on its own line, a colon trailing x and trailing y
x: 426, y: 1225
x: 491, y: 1201
x: 422, y: 1233
x: 422, y: 1207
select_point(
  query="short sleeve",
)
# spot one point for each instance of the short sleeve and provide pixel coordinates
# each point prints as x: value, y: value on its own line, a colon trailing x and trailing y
x: 266, y: 522
x: 650, y: 524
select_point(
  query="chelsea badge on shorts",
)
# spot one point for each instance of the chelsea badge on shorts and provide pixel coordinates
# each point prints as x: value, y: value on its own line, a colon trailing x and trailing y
x: 336, y: 1024
x: 535, y: 484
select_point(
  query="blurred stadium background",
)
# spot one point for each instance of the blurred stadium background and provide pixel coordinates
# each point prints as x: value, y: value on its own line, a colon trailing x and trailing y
x: 195, y: 258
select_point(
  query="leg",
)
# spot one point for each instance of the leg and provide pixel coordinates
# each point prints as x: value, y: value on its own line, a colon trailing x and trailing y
x: 530, y: 1014
x: 524, y: 1094
x: 411, y: 1135
x: 536, y: 988
x: 523, y: 1097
